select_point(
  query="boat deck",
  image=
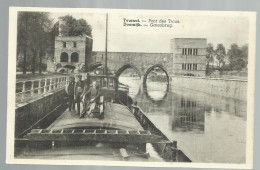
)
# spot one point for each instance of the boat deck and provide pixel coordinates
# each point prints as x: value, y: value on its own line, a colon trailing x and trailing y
x: 116, y: 116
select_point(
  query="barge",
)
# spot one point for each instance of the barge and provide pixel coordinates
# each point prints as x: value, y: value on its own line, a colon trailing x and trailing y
x: 117, y: 130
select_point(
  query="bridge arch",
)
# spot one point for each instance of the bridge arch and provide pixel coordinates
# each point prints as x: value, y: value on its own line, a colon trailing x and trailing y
x: 151, y: 68
x: 126, y: 66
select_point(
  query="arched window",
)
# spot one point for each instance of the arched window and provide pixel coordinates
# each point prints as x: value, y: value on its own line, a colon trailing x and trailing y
x: 64, y: 57
x: 75, y: 57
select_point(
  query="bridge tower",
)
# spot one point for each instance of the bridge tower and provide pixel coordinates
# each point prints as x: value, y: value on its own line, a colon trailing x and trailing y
x: 73, y: 50
x: 189, y: 56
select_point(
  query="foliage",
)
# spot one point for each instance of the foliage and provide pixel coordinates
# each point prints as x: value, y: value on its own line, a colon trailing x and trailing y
x: 220, y: 54
x: 210, y: 54
x: 33, y: 37
x: 57, y: 66
x: 73, y: 27
x: 238, y: 57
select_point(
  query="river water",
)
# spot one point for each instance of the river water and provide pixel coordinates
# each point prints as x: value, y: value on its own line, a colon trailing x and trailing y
x: 208, y: 128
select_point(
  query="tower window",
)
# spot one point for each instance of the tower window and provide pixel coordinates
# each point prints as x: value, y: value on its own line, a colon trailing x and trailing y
x: 64, y: 44
x: 196, y: 51
x: 74, y: 44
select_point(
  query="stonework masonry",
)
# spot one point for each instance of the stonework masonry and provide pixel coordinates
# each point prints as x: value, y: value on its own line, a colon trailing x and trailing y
x: 232, y: 88
x: 189, y: 56
x: 141, y: 61
x: 72, y: 50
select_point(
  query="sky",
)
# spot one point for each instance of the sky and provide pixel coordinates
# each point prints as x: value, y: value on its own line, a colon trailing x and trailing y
x: 217, y: 28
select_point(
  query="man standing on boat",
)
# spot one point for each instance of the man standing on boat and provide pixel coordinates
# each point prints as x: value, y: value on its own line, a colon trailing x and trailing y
x: 91, y: 96
x: 78, y: 90
x: 70, y: 91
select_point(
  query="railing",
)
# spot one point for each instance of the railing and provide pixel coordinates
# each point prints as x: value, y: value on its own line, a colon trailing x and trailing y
x: 102, y: 80
x: 29, y: 89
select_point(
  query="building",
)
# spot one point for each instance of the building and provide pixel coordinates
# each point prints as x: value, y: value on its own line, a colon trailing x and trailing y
x: 189, y: 56
x: 73, y: 50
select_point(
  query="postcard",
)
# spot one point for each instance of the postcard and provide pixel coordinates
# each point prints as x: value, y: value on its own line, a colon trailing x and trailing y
x: 116, y: 87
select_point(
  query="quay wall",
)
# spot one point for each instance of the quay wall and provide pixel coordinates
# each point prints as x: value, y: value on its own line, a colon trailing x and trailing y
x: 232, y: 88
x: 29, y: 114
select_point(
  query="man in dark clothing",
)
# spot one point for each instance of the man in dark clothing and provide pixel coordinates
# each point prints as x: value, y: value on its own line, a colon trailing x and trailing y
x: 78, y: 90
x: 70, y: 91
x: 91, y: 97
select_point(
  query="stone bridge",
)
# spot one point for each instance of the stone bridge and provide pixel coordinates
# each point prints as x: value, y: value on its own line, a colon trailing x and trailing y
x: 142, y: 63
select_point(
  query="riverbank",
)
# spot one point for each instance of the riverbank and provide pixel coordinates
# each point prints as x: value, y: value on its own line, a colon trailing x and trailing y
x: 232, y: 88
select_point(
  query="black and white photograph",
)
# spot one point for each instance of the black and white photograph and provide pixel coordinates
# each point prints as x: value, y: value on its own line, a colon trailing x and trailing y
x: 131, y: 87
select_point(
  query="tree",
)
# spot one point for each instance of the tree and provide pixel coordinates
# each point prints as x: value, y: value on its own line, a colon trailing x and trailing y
x: 210, y: 54
x: 33, y: 38
x: 244, y: 55
x: 220, y: 54
x: 22, y: 38
x: 73, y: 27
x: 238, y: 57
x: 54, y: 32
x: 69, y: 27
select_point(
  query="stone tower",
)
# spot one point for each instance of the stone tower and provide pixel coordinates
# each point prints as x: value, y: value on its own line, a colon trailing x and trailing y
x: 189, y: 56
x: 73, y: 50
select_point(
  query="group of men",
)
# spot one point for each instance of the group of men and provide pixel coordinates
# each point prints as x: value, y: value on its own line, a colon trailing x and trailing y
x: 78, y: 91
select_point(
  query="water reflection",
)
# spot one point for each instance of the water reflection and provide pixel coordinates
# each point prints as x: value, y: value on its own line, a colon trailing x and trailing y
x: 155, y: 91
x: 209, y: 128
x: 187, y: 115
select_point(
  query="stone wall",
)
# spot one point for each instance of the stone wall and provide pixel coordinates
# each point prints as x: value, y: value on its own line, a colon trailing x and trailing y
x: 232, y: 88
x: 29, y: 113
x: 142, y: 61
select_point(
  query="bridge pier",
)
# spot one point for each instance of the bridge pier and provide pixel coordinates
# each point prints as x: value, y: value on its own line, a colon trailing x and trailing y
x: 142, y: 79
